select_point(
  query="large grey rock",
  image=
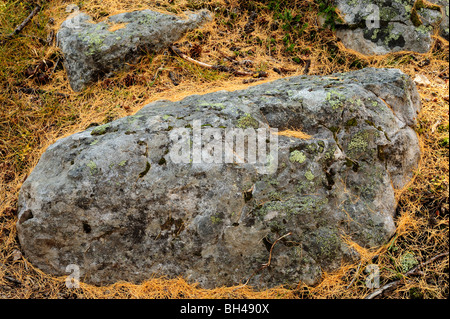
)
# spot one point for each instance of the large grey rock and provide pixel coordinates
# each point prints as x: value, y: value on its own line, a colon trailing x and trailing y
x: 92, y: 51
x: 376, y: 27
x: 116, y: 201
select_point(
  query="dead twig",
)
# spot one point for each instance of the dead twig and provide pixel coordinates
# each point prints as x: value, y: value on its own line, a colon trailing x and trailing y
x: 28, y: 90
x: 253, y: 80
x: 217, y: 67
x: 271, y: 248
x: 13, y: 280
x: 414, y: 271
x: 356, y: 274
x: 25, y: 22
x: 54, y: 68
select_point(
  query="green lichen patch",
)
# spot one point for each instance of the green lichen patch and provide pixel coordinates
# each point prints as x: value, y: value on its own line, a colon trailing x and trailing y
x: 358, y: 143
x: 94, y: 38
x: 309, y: 175
x: 92, y: 167
x: 147, y: 19
x: 122, y: 163
x: 215, y: 219
x: 424, y: 29
x: 100, y: 130
x: 297, y: 156
x: 328, y: 156
x: 247, y: 121
x: 328, y: 243
x: 335, y: 99
x: 408, y: 261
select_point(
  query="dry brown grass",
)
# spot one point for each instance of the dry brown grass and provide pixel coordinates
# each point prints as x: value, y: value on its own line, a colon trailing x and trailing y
x: 31, y: 122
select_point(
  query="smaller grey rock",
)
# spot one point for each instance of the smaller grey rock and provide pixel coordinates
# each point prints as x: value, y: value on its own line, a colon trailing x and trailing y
x: 72, y: 8
x: 377, y: 27
x: 95, y: 50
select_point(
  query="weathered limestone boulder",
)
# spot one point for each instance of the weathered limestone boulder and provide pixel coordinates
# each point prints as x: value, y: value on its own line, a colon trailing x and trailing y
x: 155, y: 193
x: 94, y: 50
x: 376, y: 27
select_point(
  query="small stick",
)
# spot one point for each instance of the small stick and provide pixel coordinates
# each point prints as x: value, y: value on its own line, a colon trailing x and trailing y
x: 216, y: 67
x: 54, y: 68
x: 271, y: 248
x: 356, y: 274
x: 28, y: 90
x: 413, y: 271
x: 14, y: 280
x: 26, y: 21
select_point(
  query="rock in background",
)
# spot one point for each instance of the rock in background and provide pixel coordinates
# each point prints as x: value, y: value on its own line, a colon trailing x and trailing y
x: 94, y: 50
x: 403, y: 24
x: 113, y: 201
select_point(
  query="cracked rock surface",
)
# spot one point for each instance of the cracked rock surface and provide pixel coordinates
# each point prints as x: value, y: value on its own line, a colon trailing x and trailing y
x: 95, y: 50
x: 115, y: 201
x: 377, y: 27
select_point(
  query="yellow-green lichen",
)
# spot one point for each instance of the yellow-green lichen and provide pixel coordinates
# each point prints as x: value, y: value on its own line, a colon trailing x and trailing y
x: 216, y: 219
x: 359, y: 142
x: 408, y: 261
x: 94, y: 39
x: 297, y: 156
x: 92, y: 167
x: 335, y: 99
x: 247, y: 121
x: 309, y: 175
x: 328, y: 242
x: 147, y: 19
x: 100, y: 130
x: 424, y: 29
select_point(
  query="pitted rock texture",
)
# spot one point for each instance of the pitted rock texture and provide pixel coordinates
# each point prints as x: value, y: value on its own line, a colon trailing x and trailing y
x: 95, y: 50
x: 113, y: 201
x: 377, y: 27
